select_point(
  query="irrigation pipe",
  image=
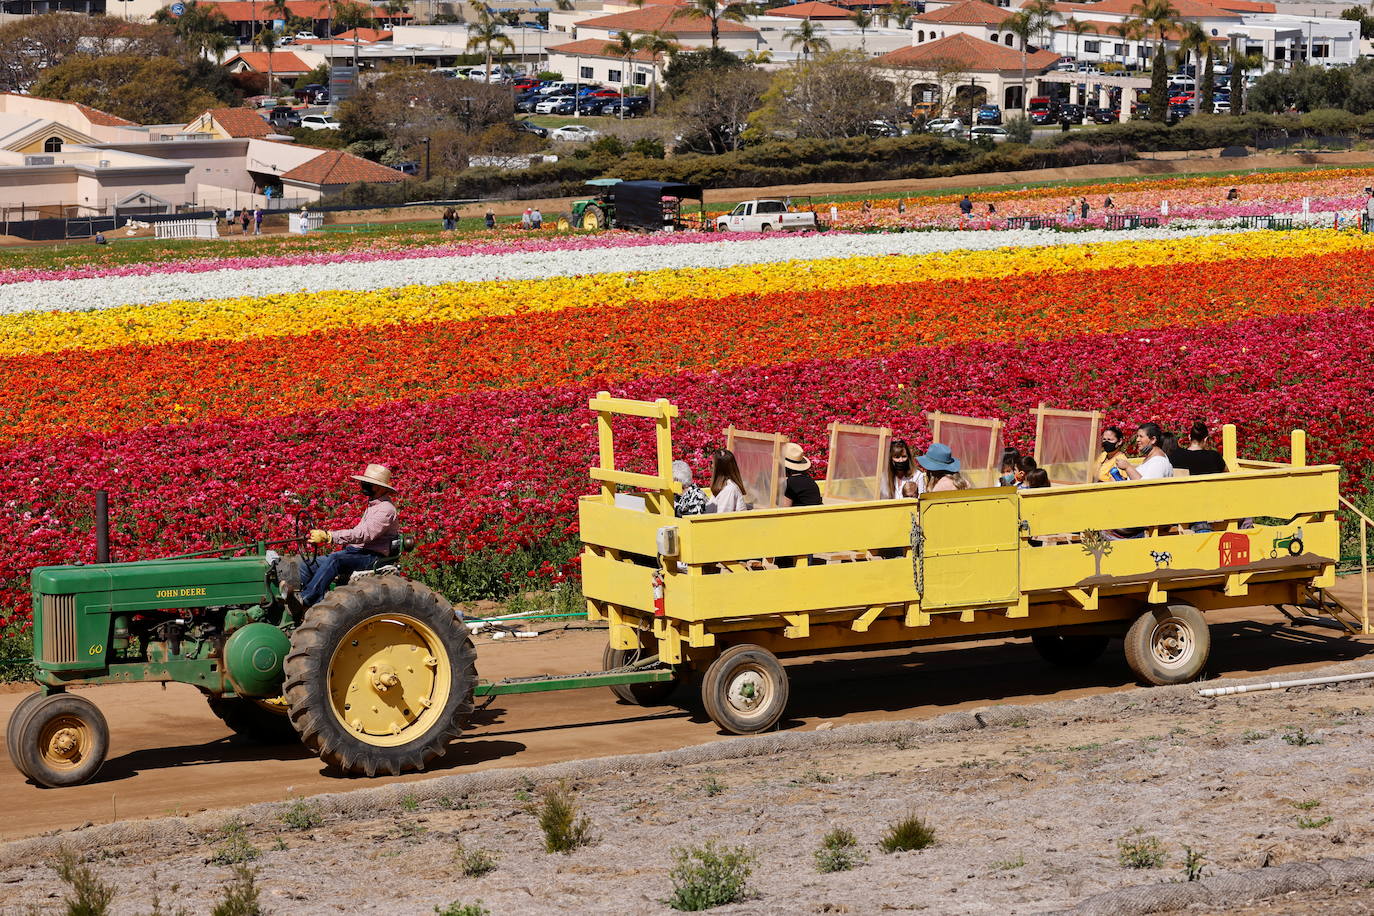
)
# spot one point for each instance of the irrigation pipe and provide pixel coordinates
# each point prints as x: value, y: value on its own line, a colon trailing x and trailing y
x: 527, y: 615
x: 1279, y: 685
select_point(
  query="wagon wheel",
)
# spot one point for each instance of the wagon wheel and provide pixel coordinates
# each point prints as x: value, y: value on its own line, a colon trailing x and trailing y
x: 1168, y: 644
x: 745, y: 690
x: 380, y: 676
x: 651, y: 694
x: 258, y: 720
x: 62, y: 741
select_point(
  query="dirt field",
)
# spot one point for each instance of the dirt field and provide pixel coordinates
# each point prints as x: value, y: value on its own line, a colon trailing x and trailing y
x: 1030, y: 814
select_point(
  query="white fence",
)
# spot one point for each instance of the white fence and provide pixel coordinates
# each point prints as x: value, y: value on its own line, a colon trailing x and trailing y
x: 304, y: 222
x: 187, y: 229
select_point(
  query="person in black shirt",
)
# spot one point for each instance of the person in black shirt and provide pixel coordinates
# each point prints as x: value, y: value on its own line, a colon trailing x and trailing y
x: 1197, y: 459
x: 800, y: 489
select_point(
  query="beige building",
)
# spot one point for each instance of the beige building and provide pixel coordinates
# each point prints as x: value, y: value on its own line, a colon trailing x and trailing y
x: 961, y: 71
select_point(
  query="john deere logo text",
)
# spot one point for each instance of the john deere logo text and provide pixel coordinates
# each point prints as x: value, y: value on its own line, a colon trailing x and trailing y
x: 180, y: 592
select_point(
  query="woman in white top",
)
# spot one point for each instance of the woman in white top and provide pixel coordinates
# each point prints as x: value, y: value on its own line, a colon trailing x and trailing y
x: 727, y: 486
x: 1149, y: 440
x: 900, y: 471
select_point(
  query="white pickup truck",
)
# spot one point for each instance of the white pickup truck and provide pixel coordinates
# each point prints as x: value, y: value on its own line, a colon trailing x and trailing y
x: 765, y: 216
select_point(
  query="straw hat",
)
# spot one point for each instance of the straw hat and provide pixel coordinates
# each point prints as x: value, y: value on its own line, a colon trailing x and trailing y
x: 377, y: 474
x: 794, y: 458
x: 938, y: 458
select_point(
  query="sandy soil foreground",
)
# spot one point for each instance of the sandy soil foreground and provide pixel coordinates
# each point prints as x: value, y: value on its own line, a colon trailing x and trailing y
x: 1029, y: 814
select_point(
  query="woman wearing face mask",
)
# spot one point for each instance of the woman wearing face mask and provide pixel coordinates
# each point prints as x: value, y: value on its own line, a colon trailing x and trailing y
x: 1111, y: 445
x: 1149, y: 442
x: 900, y: 470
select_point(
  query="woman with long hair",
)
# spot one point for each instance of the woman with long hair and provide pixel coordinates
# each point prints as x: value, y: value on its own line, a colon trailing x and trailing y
x: 899, y: 470
x: 727, y: 486
x: 941, y: 470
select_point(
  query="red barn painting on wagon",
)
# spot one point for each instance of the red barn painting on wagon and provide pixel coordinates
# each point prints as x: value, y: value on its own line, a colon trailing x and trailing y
x: 1235, y: 549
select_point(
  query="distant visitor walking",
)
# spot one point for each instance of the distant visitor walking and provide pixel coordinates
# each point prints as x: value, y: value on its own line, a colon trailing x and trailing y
x: 450, y: 219
x: 536, y: 219
x: 491, y: 219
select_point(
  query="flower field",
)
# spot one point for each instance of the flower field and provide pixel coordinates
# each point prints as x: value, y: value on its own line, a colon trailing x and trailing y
x: 214, y: 397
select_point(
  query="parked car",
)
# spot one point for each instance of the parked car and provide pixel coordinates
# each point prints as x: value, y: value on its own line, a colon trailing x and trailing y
x: 949, y: 126
x: 989, y: 132
x: 408, y: 167
x: 320, y: 122
x: 765, y: 216
x: 989, y: 114
x: 525, y: 127
x: 305, y: 36
x: 1103, y: 115
x: 1043, y: 110
x: 634, y: 106
x: 1066, y: 65
x: 593, y: 105
x: 527, y: 105
x: 604, y: 94
x: 882, y: 129
x: 1074, y: 113
x: 284, y: 117
x: 1220, y: 106
x: 548, y: 104
x: 575, y: 133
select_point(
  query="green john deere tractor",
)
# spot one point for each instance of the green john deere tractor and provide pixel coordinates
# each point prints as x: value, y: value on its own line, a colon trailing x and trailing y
x: 595, y: 213
x: 377, y: 677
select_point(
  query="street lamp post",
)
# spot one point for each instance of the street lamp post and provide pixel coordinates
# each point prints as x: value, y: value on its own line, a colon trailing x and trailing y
x: 425, y: 141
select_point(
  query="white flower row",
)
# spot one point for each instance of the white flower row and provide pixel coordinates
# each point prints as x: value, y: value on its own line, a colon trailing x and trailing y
x: 110, y: 292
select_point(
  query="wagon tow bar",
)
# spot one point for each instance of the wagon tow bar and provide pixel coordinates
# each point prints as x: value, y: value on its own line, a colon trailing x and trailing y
x: 644, y: 671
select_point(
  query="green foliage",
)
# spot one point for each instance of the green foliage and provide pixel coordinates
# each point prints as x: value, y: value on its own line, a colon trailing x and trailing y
x: 235, y: 848
x: 648, y: 147
x: 495, y: 573
x: 16, y: 651
x: 410, y: 802
x: 1307, y: 804
x: 549, y: 75
x: 319, y: 75
x: 474, y: 863
x: 839, y: 851
x: 302, y: 814
x: 1140, y: 851
x: 563, y: 829
x: 687, y: 64
x: 1361, y: 15
x: 1193, y: 862
x: 1159, y: 86
x: 708, y: 876
x: 910, y: 833
x: 240, y: 894
x: 1206, y: 90
x: 1313, y: 823
x: 148, y: 90
x: 459, y: 908
x: 712, y: 786
x: 1299, y: 738
x: 1010, y: 864
x: 1019, y: 129
x: 89, y: 896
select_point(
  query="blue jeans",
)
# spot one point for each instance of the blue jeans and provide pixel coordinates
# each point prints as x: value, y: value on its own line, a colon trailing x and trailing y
x: 329, y: 567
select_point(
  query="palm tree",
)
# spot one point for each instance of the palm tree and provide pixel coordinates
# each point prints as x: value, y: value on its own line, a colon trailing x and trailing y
x: 393, y: 8
x: 269, y: 39
x: 1022, y: 25
x: 218, y: 44
x: 1078, y: 28
x: 714, y: 10
x: 1044, y: 15
x: 807, y: 39
x: 488, y: 34
x: 1157, y: 16
x: 863, y: 21
x: 757, y: 57
x: 900, y: 11
x: 1125, y: 31
x: 1239, y: 64
x: 625, y: 46
x: 656, y: 44
x: 352, y: 15
x: 1195, y: 41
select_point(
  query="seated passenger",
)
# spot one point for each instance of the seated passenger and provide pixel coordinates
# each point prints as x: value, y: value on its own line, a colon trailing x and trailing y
x: 1112, y: 438
x: 1011, y: 457
x: 1155, y: 464
x: 1024, y: 467
x: 899, y: 470
x: 1036, y: 479
x: 727, y: 486
x: 801, y: 488
x: 692, y: 499
x: 1196, y: 458
x: 941, y: 470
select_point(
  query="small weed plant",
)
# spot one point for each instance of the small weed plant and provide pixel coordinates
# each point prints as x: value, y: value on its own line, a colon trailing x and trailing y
x: 709, y: 876
x: 236, y: 848
x: 1140, y: 851
x: 240, y: 894
x: 1299, y: 738
x: 910, y: 833
x: 89, y: 895
x: 1010, y: 864
x: 1307, y: 804
x: 410, y: 803
x: 564, y: 830
x: 1193, y: 862
x: 712, y: 786
x: 474, y: 863
x: 1250, y: 736
x: 459, y: 908
x: 1313, y: 823
x: 839, y: 851
x: 302, y: 814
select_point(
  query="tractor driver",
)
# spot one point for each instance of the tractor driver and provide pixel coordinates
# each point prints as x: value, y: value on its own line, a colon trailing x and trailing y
x: 363, y: 545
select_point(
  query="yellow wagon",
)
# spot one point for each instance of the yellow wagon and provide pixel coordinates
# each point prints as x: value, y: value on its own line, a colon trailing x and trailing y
x: 704, y: 596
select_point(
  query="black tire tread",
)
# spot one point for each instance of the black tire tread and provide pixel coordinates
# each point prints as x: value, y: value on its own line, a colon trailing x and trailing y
x: 715, y: 676
x: 312, y: 646
x: 31, y: 764
x: 16, y: 726
x: 652, y: 694
x: 1141, y: 660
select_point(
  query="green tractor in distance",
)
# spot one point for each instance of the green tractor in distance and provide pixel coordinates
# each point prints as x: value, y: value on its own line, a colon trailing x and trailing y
x: 596, y: 213
x: 377, y: 677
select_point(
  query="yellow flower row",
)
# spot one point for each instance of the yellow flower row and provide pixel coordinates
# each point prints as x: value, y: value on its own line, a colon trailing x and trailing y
x: 291, y: 314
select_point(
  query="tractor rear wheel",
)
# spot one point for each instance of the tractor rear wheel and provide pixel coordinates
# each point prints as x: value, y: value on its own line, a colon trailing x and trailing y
x: 593, y: 217
x: 259, y: 721
x: 652, y: 694
x: 62, y: 741
x: 380, y: 676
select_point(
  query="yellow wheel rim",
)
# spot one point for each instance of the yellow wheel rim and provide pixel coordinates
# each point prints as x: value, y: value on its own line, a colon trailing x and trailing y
x: 389, y: 680
x: 275, y: 704
x: 65, y: 742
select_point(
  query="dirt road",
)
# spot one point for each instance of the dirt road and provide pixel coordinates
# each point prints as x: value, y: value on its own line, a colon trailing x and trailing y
x: 170, y: 755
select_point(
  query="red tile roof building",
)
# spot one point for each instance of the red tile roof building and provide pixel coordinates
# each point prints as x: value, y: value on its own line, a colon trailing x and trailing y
x: 284, y: 63
x: 335, y: 167
x: 968, y: 12
x: 967, y: 53
x: 810, y: 9
x: 671, y: 20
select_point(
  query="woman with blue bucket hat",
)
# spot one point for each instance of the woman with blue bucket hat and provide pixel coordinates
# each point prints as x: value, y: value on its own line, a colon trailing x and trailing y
x: 942, y: 469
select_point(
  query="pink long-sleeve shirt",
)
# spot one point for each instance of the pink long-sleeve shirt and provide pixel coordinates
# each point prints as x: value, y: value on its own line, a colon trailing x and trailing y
x: 374, y: 531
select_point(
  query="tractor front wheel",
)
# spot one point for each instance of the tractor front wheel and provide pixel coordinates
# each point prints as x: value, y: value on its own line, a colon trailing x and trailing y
x: 655, y: 693
x: 62, y: 740
x: 380, y: 676
x: 259, y: 721
x: 593, y: 217
x: 16, y: 724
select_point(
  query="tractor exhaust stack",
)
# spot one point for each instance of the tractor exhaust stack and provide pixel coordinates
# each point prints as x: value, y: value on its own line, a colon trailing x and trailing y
x: 102, y: 526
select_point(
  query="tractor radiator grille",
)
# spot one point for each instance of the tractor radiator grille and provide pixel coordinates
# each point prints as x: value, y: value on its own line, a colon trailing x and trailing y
x: 59, y: 629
